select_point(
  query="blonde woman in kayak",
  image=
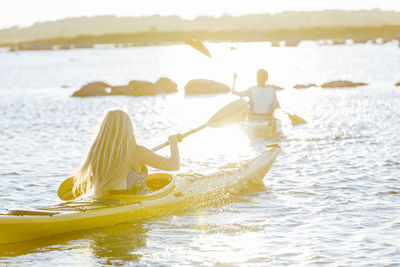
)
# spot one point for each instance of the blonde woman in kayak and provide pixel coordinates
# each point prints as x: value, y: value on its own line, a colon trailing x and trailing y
x: 116, y: 162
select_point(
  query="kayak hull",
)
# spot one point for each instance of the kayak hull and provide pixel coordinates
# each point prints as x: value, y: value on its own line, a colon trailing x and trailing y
x: 263, y: 129
x: 183, y: 191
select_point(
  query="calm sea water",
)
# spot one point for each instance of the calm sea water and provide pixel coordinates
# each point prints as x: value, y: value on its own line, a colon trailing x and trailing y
x: 331, y: 198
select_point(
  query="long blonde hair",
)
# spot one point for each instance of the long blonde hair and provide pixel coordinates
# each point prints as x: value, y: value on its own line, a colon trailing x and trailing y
x: 109, y: 157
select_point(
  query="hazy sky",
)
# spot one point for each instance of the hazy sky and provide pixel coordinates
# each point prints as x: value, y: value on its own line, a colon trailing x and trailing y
x: 27, y: 12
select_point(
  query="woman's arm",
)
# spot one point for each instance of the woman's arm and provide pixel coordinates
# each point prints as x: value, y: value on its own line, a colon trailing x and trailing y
x: 148, y: 157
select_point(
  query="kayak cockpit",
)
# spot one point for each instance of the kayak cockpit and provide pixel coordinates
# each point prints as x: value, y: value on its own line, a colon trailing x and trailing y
x: 158, y: 185
x: 155, y: 182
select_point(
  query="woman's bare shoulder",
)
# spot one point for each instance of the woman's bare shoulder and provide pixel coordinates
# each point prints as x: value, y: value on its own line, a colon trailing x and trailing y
x: 142, y: 155
x: 142, y: 149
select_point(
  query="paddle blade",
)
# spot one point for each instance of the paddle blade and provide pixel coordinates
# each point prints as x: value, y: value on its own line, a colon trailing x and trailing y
x: 66, y: 190
x: 232, y: 113
x: 296, y: 119
x: 199, y: 46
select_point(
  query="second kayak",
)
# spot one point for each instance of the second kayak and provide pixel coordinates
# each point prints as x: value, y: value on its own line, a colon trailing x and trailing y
x: 260, y: 127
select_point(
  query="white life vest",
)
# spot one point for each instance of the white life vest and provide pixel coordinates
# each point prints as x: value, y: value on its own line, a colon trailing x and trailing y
x: 262, y: 99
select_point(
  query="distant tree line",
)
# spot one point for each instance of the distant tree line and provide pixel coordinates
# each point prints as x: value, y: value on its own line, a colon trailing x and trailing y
x: 110, y: 24
x: 290, y: 36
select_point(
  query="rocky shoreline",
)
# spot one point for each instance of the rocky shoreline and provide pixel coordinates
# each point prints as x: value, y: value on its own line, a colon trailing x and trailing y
x: 192, y: 87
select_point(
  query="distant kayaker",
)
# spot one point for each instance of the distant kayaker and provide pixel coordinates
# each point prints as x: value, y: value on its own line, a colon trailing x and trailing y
x: 116, y: 162
x: 263, y: 100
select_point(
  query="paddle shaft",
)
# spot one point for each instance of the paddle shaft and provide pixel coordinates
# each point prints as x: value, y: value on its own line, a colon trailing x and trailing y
x: 182, y: 136
x: 232, y: 113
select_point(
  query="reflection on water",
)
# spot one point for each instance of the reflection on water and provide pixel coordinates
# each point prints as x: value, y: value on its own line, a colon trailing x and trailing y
x: 119, y: 244
x: 114, y: 245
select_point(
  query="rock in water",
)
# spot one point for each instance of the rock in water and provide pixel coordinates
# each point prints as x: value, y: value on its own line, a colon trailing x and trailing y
x: 167, y: 85
x: 203, y: 86
x: 92, y: 89
x: 341, y: 84
x: 122, y: 90
x: 143, y: 88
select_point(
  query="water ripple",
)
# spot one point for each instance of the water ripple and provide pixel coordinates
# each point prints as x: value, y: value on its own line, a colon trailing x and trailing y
x: 331, y: 197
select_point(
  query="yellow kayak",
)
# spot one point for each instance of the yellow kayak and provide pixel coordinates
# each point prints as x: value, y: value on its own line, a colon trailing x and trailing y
x: 167, y: 193
x: 267, y: 129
